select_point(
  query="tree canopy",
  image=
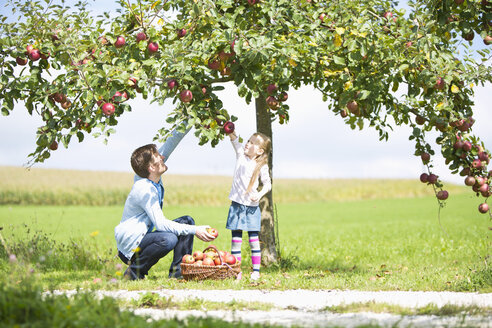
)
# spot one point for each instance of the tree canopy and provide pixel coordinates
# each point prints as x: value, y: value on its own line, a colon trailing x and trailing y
x: 77, y: 70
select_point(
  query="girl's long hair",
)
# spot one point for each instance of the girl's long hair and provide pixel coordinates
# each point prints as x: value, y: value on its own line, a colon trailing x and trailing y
x: 266, y: 145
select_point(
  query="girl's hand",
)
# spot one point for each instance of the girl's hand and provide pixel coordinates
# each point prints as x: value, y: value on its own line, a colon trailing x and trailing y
x: 255, y: 197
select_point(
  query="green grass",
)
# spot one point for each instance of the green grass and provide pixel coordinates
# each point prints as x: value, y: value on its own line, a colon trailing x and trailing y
x: 71, y: 187
x: 382, y: 244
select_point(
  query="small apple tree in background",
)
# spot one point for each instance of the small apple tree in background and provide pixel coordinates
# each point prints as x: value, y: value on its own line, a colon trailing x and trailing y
x: 77, y: 70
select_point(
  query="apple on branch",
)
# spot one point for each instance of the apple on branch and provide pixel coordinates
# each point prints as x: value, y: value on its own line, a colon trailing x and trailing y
x: 108, y: 109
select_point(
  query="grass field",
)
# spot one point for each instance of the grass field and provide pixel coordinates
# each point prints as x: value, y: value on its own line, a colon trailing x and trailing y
x: 359, y: 239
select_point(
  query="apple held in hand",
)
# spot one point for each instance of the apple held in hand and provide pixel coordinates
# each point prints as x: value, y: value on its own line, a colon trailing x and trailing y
x: 229, y: 127
x: 213, y: 232
x: 188, y: 259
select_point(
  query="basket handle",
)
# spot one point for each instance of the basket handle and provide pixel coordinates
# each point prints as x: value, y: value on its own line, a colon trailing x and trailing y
x: 216, y: 251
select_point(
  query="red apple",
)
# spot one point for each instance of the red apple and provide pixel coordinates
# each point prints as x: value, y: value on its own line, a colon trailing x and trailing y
x: 217, y: 261
x: 214, y: 64
x: 272, y: 102
x: 29, y: 49
x: 467, y: 146
x: 419, y: 120
x: 408, y: 44
x: 54, y: 145
x: 120, y: 96
x: 483, y: 208
x: 208, y: 261
x: 343, y: 113
x: 59, y: 97
x: 21, y: 61
x: 108, y: 109
x: 213, y: 232
x: 229, y: 127
x: 483, y: 156
x: 468, y: 36
x: 132, y: 82
x: 458, y: 144
x: 188, y: 259
x: 432, y: 178
x: 171, y: 84
x: 186, y: 96
x: 479, y: 181
x: 484, y: 188
x: 440, y: 83
x: 120, y: 42
x: 283, y: 96
x: 442, y: 195
x: 353, y: 107
x: 181, y: 32
x: 477, y: 164
x: 424, y: 177
x: 199, y: 262
x: 459, y: 2
x: 487, y: 40
x: 252, y: 2
x: 198, y: 255
x: 34, y: 55
x: 425, y: 157
x: 230, y: 259
x: 153, y: 47
x: 271, y: 88
x: 388, y: 14
x: 470, y: 180
x: 141, y: 36
x: 322, y: 16
x: 102, y: 40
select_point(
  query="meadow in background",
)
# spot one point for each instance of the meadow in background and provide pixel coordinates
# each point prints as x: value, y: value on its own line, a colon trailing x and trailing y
x: 333, y: 234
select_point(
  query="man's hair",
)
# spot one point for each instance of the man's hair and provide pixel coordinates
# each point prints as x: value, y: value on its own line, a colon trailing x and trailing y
x: 141, y: 159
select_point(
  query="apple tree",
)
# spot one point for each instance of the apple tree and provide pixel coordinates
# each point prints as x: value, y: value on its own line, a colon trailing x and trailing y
x: 374, y: 65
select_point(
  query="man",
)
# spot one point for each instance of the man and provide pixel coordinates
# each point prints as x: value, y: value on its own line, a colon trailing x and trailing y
x: 139, y: 245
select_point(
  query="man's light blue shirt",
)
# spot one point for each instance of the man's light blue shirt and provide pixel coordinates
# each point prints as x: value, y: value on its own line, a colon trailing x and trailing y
x: 143, y: 212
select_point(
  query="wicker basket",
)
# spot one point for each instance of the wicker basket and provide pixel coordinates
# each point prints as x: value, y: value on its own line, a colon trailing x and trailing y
x: 216, y: 272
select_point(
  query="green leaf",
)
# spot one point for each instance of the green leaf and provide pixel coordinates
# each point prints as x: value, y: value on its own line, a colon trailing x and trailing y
x: 339, y: 60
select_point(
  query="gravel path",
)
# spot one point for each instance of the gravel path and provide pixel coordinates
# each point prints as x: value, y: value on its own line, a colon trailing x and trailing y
x: 306, y: 308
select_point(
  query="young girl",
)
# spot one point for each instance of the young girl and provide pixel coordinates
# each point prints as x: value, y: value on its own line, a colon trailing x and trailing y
x: 244, y: 212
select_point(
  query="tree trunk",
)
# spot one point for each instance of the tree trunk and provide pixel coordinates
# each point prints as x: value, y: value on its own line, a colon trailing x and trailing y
x: 267, y: 233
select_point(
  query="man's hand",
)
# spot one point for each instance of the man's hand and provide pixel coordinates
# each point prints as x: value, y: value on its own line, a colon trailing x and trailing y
x: 202, y: 234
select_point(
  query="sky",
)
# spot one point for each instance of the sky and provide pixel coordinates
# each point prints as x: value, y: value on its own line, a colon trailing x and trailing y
x: 314, y: 144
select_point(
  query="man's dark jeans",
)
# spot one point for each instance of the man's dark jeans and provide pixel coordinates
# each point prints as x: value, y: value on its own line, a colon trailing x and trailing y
x: 154, y: 246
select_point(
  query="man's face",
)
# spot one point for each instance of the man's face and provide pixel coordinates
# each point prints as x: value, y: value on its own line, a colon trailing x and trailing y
x: 158, y: 164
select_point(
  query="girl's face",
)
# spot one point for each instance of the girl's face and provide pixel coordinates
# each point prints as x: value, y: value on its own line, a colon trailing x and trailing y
x: 252, y: 148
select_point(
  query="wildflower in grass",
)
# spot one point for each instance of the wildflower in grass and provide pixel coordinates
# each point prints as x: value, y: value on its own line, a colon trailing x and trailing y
x: 42, y: 258
x: 94, y: 233
x: 97, y: 280
x: 118, y: 273
x: 118, y: 266
x: 114, y: 280
x: 12, y: 258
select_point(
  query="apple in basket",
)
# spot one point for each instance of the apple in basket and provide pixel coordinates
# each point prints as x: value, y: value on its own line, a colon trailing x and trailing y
x: 210, y: 255
x: 199, y: 262
x: 230, y: 259
x: 208, y: 261
x: 188, y: 259
x: 198, y: 255
x: 217, y: 260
